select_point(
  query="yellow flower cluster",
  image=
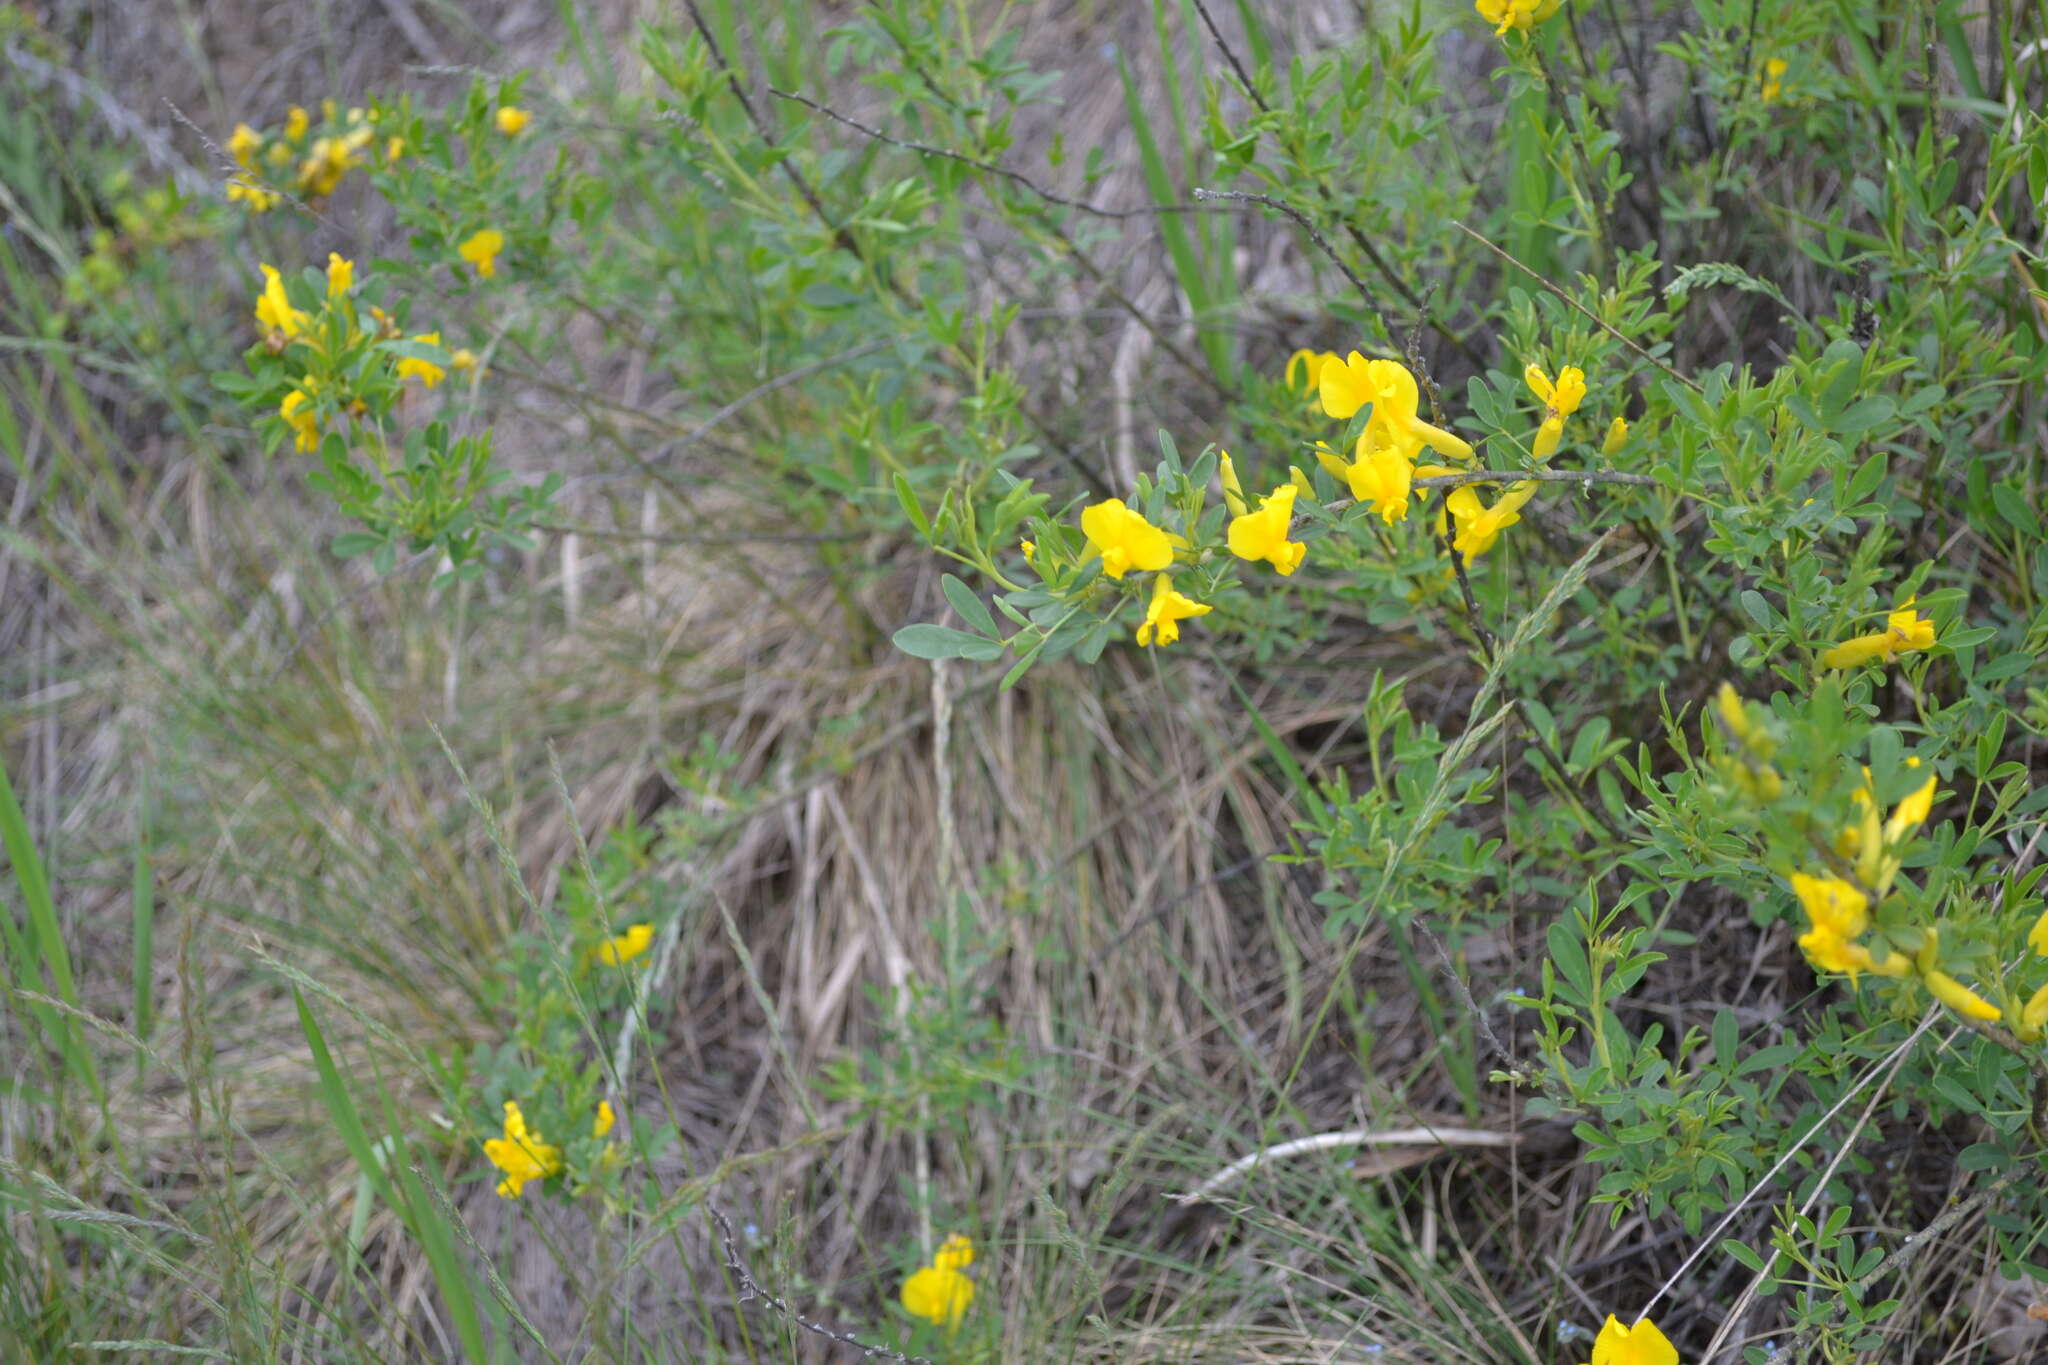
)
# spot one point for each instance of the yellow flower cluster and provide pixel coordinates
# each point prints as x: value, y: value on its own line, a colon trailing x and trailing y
x: 1385, y: 465
x: 940, y: 1292
x: 523, y: 1155
x: 1905, y: 629
x: 1772, y: 79
x: 285, y: 326
x: 1124, y: 540
x: 312, y: 165
x: 1867, y: 855
x: 1560, y: 401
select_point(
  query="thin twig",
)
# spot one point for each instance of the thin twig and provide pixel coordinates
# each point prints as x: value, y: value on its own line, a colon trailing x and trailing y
x: 1903, y: 1254
x: 1602, y: 323
x: 750, y: 1288
x: 1713, y: 1238
x: 992, y: 168
x: 1465, y: 476
x: 1488, y: 646
x: 1301, y: 219
x: 1358, y: 1137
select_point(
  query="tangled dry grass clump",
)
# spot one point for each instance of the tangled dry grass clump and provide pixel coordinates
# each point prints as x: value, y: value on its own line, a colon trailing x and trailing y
x: 329, y: 790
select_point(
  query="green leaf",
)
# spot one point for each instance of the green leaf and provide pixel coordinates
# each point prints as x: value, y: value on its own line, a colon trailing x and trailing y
x: 1865, y: 481
x: 2014, y: 509
x: 926, y: 641
x: 968, y: 605
x: 1864, y: 414
x: 911, y: 507
x: 1742, y: 1253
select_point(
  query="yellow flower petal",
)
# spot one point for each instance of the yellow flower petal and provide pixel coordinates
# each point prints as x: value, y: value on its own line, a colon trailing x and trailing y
x: 1166, y: 611
x: 1642, y: 1344
x: 1124, y: 539
x: 1959, y: 997
x: 938, y: 1294
x: 623, y: 948
x: 1832, y: 904
x: 1262, y: 535
x: 481, y: 251
x: 512, y: 120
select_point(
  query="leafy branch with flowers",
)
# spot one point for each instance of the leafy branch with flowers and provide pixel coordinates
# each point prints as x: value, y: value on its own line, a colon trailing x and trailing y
x: 1424, y: 623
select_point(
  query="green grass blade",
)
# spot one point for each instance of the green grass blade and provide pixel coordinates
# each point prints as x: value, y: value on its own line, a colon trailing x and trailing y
x: 142, y: 900
x: 414, y: 1209
x: 1173, y: 231
x: 51, y: 954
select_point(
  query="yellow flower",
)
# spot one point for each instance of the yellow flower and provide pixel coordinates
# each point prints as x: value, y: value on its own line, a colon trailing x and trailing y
x: 481, y: 251
x: 1521, y: 14
x: 1834, y: 906
x: 1905, y: 629
x: 623, y: 948
x: 1030, y: 549
x: 1548, y: 438
x: 394, y: 148
x: 1735, y: 718
x: 1349, y: 384
x: 1874, y: 847
x: 1382, y: 479
x: 512, y: 120
x: 1772, y: 78
x: 1305, y: 371
x: 305, y: 429
x: 462, y: 359
x: 1617, y: 433
x: 426, y: 371
x: 296, y: 123
x: 1263, y: 534
x: 274, y: 312
x: 324, y: 166
x: 1642, y: 1344
x: 938, y: 1294
x: 1830, y: 952
x: 2037, y: 937
x: 1124, y: 539
x: 521, y: 1154
x: 242, y: 190
x: 605, y: 1119
x: 1233, y: 491
x: 1479, y: 526
x: 1165, y: 612
x: 2034, y: 1016
x: 341, y: 275
x: 1563, y: 397
x: 242, y: 145
x: 1959, y: 997
x: 955, y: 1253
